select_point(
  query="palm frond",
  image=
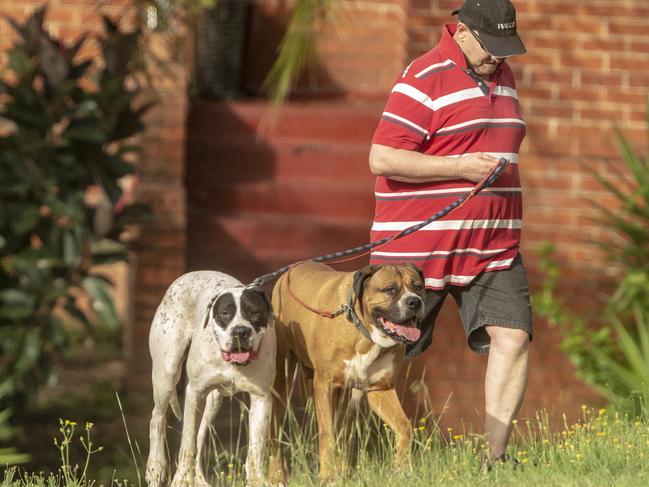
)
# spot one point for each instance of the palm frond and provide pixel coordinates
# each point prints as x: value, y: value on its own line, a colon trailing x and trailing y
x: 296, y: 51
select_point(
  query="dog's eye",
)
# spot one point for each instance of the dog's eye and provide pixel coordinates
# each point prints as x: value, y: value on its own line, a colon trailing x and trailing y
x: 417, y: 287
x: 225, y: 315
x: 391, y: 290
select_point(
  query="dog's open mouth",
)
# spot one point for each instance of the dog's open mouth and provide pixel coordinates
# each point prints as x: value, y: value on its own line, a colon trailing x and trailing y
x: 239, y: 357
x: 406, y: 331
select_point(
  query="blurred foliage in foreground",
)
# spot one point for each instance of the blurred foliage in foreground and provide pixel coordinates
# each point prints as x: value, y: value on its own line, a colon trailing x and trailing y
x: 66, y: 130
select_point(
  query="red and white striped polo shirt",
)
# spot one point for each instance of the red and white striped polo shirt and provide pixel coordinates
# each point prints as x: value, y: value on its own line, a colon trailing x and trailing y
x: 438, y: 107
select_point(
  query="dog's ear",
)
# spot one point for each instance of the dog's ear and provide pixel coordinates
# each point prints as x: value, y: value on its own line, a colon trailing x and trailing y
x: 208, y: 311
x: 269, y: 304
x: 360, y: 277
x: 419, y: 271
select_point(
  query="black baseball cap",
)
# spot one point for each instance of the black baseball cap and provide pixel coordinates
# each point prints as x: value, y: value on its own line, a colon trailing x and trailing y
x: 493, y: 22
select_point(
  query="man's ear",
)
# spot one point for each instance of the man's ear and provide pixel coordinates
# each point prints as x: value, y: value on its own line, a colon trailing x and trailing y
x: 208, y: 311
x: 360, y: 277
x: 461, y: 32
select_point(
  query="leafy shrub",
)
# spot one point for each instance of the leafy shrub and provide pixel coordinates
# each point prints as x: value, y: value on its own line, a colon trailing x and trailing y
x: 66, y: 132
x: 613, y: 356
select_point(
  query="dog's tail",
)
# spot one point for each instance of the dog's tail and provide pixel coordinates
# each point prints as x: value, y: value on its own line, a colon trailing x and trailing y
x: 175, y: 406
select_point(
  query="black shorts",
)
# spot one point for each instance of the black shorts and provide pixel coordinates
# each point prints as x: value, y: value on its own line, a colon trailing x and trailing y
x: 497, y: 298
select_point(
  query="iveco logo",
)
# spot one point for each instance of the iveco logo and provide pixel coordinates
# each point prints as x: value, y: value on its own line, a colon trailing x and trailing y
x: 509, y: 25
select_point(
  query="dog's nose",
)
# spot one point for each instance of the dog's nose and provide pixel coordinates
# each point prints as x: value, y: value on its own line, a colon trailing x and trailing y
x: 241, y: 333
x: 413, y: 303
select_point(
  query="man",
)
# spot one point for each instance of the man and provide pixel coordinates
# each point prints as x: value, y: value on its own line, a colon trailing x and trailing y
x: 451, y: 115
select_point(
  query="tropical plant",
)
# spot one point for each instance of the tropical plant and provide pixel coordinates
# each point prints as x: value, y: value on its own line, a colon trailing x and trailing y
x: 296, y: 50
x: 67, y: 128
x: 8, y: 455
x: 613, y: 355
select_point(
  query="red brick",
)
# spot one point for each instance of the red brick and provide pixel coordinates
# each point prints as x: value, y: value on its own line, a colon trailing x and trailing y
x: 638, y: 116
x: 600, y: 78
x: 628, y: 27
x: 580, y: 24
x: 633, y: 97
x: 530, y: 23
x: 536, y: 57
x: 639, y: 45
x: 548, y: 40
x: 550, y: 75
x: 630, y: 62
x: 581, y: 59
x: 604, y: 44
x: 551, y: 110
x: 589, y: 94
x: 612, y: 114
x: 529, y: 92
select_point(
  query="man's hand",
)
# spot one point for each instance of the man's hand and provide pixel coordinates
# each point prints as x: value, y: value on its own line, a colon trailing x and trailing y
x: 476, y: 166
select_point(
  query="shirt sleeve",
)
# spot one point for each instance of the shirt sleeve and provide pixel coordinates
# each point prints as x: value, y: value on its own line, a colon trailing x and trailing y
x: 406, y: 120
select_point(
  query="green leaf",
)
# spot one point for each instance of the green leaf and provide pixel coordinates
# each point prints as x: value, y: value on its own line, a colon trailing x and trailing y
x: 85, y: 130
x: 25, y: 219
x: 20, y: 63
x: 30, y: 351
x: 102, y: 301
x: 16, y: 304
x: 106, y: 251
x: 79, y: 315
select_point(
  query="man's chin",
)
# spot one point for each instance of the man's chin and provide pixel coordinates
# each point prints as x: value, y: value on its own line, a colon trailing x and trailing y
x: 486, y: 69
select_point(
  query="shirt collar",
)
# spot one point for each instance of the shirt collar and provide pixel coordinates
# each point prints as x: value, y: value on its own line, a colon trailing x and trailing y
x: 450, y: 48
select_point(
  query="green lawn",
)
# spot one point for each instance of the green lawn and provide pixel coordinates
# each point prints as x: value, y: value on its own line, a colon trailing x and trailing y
x: 598, y: 450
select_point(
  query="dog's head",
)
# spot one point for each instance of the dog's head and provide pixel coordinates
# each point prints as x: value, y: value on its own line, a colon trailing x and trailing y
x: 392, y: 302
x: 239, y: 318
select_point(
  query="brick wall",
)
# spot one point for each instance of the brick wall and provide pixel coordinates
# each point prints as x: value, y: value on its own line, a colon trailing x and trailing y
x: 161, y: 241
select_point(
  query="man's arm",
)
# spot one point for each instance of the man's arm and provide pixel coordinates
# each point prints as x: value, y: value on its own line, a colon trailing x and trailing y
x: 414, y: 167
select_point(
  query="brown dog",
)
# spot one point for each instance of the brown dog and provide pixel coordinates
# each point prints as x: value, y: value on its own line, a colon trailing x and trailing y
x: 388, y: 306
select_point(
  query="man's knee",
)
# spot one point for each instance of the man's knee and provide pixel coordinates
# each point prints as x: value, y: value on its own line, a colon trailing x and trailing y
x: 508, y: 340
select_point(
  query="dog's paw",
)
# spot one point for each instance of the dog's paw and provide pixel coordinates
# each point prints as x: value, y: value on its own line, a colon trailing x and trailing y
x: 155, y: 475
x: 200, y: 480
x: 184, y: 477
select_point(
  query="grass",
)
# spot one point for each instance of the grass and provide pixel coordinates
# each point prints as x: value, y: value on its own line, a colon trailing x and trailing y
x: 600, y: 449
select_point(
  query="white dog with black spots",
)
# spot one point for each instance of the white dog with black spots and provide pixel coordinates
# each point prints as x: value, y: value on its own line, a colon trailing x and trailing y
x: 226, y: 332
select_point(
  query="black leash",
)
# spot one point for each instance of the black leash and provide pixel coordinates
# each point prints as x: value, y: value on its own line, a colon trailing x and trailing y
x: 485, y: 183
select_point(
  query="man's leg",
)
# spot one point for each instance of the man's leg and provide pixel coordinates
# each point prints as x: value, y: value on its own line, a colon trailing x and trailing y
x: 505, y: 382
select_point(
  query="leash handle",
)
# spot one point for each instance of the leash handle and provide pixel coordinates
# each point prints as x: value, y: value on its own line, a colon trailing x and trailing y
x: 357, y: 252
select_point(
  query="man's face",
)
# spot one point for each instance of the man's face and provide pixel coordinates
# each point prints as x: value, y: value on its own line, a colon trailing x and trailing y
x: 479, y: 60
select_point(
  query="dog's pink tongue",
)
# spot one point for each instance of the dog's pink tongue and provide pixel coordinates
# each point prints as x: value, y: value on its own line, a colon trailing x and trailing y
x: 410, y: 333
x: 238, y: 357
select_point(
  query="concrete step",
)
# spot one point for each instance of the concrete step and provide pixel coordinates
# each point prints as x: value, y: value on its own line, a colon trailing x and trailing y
x: 261, y: 234
x: 308, y: 198
x: 333, y: 120
x: 243, y: 157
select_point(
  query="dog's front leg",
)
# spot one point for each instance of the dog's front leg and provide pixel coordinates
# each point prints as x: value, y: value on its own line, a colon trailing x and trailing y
x: 258, y: 425
x: 322, y: 394
x: 194, y: 402
x: 386, y: 405
x: 212, y: 406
